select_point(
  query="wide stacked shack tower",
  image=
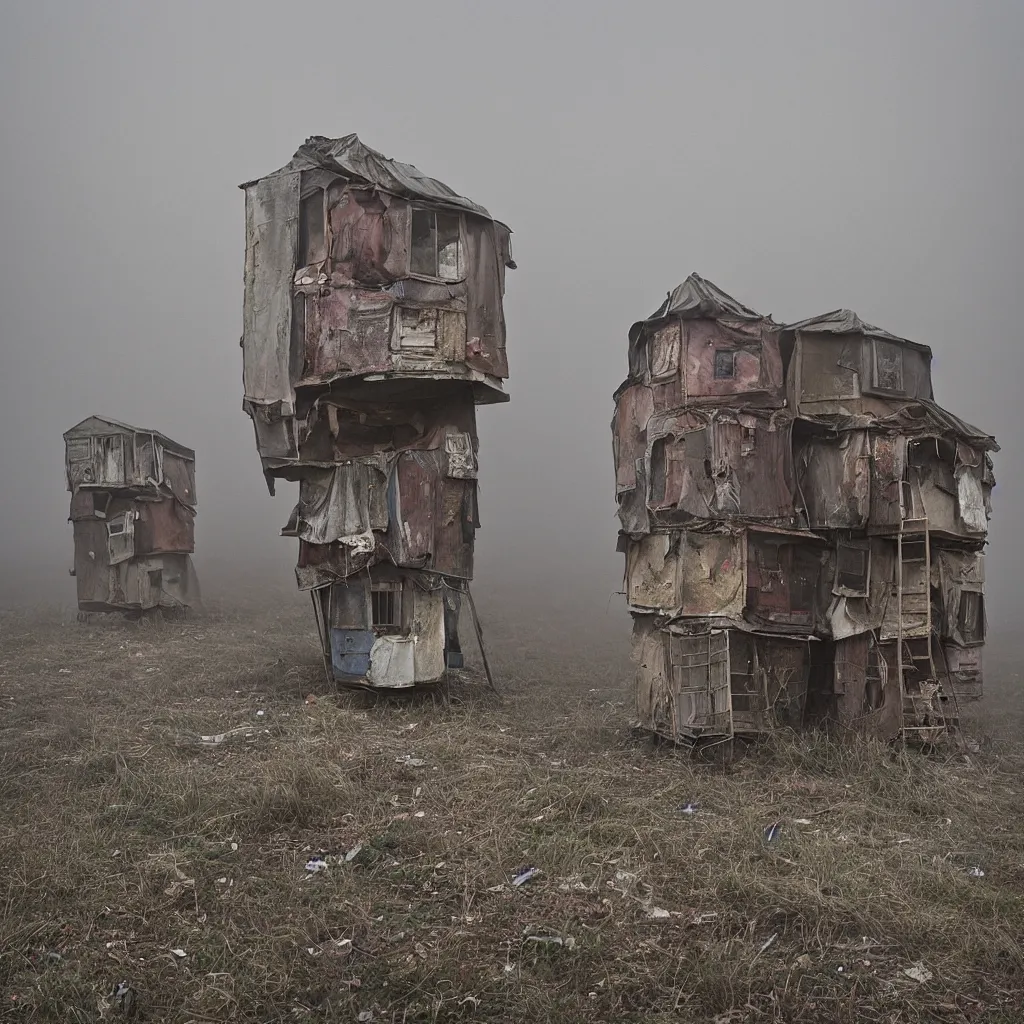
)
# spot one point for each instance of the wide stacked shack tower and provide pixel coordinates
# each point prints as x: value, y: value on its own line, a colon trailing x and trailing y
x: 803, y: 526
x: 373, y: 327
x: 133, y: 508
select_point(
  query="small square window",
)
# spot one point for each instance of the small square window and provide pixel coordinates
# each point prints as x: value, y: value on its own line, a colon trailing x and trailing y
x: 852, y: 569
x: 386, y: 605
x: 725, y: 364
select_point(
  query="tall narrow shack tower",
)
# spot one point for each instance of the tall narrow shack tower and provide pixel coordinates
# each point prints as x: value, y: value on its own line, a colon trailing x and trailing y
x: 373, y: 328
x: 803, y: 526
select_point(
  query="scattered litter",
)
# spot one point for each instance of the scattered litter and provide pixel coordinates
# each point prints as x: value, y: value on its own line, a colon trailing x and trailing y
x: 523, y: 875
x: 706, y: 917
x: 918, y: 973
x: 804, y: 961
x: 179, y: 953
x: 64, y: 671
x: 551, y: 940
x: 124, y: 996
x: 222, y: 881
x: 353, y: 853
x: 260, y: 714
x: 772, y: 832
x: 470, y: 999
x: 234, y: 847
x: 975, y: 872
x: 416, y: 792
x: 802, y: 821
x: 365, y: 1015
x: 690, y: 808
x: 242, y: 732
x: 316, y: 864
x: 310, y: 698
x: 410, y: 762
x: 658, y: 913
x: 768, y: 943
x: 409, y: 727
x: 420, y: 814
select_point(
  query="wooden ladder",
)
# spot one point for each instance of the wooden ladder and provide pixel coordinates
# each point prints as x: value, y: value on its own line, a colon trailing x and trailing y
x: 921, y: 702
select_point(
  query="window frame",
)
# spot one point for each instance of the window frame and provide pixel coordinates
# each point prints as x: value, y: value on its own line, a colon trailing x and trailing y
x: 731, y: 353
x: 435, y: 234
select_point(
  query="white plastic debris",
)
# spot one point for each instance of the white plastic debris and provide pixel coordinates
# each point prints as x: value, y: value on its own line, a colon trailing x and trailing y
x: 772, y: 832
x: 364, y: 1016
x: 918, y: 972
x: 64, y: 671
x: 658, y: 913
x: 975, y: 872
x: 802, y: 821
x: 690, y: 808
x: 410, y: 762
x: 353, y: 853
x: 524, y: 875
x: 316, y: 864
x: 179, y: 953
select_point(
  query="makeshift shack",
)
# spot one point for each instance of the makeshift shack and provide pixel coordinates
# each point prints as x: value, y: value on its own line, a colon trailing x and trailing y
x: 803, y: 525
x: 373, y: 327
x: 133, y: 506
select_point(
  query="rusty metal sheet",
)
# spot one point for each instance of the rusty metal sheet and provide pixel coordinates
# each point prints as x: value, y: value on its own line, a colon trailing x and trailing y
x: 867, y: 695
x: 835, y: 479
x: 712, y: 575
x: 347, y: 331
x: 782, y: 581
x: 361, y: 239
x: 164, y: 526
x: 727, y: 362
x: 633, y: 410
x: 888, y: 465
x: 455, y: 527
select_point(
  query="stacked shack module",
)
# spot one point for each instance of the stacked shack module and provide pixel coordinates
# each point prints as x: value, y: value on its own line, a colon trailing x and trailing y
x: 373, y: 327
x: 803, y: 526
x: 133, y: 507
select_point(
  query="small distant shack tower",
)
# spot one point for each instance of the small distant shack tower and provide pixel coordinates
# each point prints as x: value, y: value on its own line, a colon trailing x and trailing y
x: 373, y: 327
x: 133, y: 502
x: 803, y: 526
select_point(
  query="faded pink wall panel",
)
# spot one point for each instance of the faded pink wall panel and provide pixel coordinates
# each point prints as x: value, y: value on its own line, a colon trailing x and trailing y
x: 756, y: 362
x: 347, y: 331
x: 635, y: 407
x: 416, y: 483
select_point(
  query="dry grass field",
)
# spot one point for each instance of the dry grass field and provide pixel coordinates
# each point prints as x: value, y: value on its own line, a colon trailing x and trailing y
x: 129, y: 852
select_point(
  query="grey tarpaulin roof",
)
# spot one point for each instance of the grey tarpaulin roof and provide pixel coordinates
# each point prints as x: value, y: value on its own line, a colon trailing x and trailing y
x: 950, y: 423
x: 845, y: 321
x: 352, y: 158
x: 697, y: 298
x: 85, y: 428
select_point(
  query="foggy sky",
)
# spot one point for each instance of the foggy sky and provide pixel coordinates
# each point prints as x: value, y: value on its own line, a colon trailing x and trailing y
x: 803, y: 156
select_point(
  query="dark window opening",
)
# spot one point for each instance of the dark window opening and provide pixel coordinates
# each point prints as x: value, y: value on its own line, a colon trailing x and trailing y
x: 725, y: 364
x: 803, y: 582
x: 116, y: 526
x: 972, y: 616
x: 312, y: 238
x: 386, y: 605
x: 852, y: 570
x: 888, y: 366
x: 436, y: 249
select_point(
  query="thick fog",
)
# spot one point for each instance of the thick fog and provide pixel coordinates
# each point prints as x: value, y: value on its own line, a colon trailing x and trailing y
x: 803, y: 156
